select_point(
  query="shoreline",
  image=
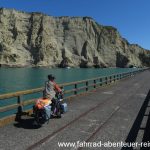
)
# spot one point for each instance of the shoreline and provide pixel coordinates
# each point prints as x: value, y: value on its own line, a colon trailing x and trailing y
x: 54, y: 67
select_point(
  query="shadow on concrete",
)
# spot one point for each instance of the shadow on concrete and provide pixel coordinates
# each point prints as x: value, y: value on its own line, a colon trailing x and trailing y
x: 23, y: 121
x: 146, y: 136
x: 26, y: 124
x: 131, y: 138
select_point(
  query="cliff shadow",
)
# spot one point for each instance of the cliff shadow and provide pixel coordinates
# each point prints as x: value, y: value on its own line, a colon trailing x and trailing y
x: 136, y: 127
x: 121, y: 60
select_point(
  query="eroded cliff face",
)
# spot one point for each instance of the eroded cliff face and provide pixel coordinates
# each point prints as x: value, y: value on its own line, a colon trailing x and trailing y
x: 35, y: 39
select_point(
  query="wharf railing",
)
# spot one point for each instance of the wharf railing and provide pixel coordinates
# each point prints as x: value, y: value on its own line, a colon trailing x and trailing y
x: 72, y: 89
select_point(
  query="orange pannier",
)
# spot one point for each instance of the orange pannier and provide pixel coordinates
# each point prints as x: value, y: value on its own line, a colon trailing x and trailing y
x: 40, y: 103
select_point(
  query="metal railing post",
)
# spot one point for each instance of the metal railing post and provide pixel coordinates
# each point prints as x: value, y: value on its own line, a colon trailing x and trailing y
x: 19, y: 101
x: 117, y: 77
x: 100, y: 81
x: 20, y: 108
x: 110, y: 79
x: 94, y: 83
x: 75, y: 92
x: 130, y: 74
x: 87, y: 83
x: 114, y: 78
x: 106, y: 80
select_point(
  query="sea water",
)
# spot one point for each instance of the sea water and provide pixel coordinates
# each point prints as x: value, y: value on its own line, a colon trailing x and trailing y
x: 18, y: 79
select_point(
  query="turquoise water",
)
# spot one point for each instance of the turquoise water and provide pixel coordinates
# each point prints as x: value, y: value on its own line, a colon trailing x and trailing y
x: 16, y: 79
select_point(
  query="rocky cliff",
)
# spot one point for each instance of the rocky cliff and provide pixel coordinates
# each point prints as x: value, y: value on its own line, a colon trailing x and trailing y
x: 35, y: 39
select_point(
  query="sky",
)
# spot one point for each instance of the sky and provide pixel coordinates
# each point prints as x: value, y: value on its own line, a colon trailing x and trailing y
x: 130, y: 17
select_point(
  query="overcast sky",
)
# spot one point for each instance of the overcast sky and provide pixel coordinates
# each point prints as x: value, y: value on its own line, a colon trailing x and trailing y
x: 130, y: 17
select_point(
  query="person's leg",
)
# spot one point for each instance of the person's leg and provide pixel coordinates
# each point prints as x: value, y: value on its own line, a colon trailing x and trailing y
x: 53, y: 104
